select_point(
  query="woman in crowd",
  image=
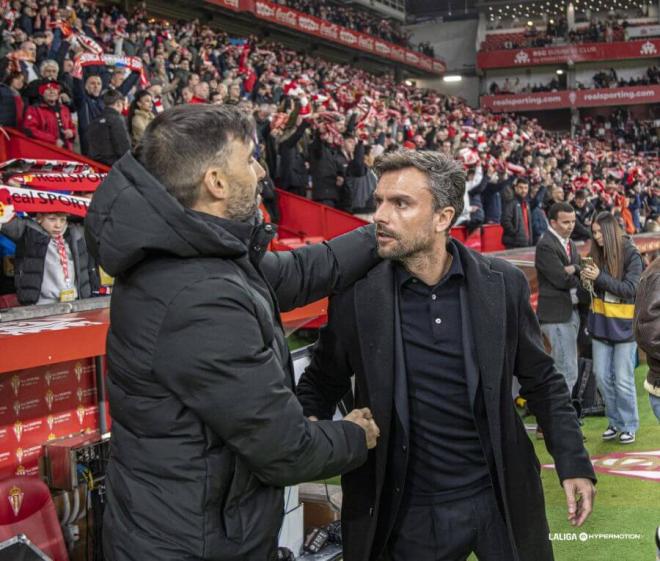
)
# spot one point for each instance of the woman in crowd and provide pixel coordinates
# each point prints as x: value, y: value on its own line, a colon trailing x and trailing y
x: 140, y: 114
x: 612, y: 278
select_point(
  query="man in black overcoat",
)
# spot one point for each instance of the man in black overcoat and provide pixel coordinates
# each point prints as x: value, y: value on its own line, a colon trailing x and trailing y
x: 434, y: 336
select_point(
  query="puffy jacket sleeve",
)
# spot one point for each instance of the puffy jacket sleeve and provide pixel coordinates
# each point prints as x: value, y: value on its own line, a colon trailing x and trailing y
x: 310, y: 273
x: 647, y: 312
x: 627, y: 286
x: 211, y: 354
x: 15, y: 228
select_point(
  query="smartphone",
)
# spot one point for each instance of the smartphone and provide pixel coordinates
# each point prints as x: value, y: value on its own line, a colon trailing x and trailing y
x: 587, y: 262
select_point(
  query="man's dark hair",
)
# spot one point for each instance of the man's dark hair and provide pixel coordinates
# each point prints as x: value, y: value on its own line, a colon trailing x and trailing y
x: 522, y: 181
x: 111, y: 97
x: 581, y: 194
x: 555, y: 209
x: 180, y: 144
x: 446, y: 178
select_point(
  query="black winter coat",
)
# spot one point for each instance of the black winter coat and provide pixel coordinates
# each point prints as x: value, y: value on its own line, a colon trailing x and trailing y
x: 514, y: 234
x: 293, y: 172
x: 108, y: 138
x: 206, y: 428
x: 31, y: 246
x: 8, y: 107
x: 326, y: 164
x: 359, y: 342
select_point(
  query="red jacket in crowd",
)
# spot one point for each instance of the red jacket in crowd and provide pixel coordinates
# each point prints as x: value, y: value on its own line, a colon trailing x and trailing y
x: 41, y: 122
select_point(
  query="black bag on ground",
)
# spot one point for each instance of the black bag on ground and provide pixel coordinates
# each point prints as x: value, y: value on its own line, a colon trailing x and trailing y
x: 586, y: 397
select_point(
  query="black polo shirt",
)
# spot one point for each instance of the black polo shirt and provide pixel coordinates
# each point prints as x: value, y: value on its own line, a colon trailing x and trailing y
x: 446, y: 459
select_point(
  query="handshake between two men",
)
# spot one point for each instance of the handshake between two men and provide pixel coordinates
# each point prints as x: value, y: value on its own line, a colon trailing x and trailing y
x: 364, y: 419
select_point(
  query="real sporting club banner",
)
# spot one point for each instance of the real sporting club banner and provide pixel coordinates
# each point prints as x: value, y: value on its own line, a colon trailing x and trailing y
x: 634, y: 95
x: 586, y: 52
x: 18, y: 199
x: 85, y: 182
x: 293, y: 19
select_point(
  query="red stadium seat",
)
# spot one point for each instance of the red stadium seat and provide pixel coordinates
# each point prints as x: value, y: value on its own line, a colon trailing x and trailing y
x: 473, y: 241
x: 491, y: 238
x: 459, y: 233
x: 26, y: 507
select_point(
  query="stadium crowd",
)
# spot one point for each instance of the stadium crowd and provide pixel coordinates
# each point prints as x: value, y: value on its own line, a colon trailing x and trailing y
x: 92, y: 78
x: 361, y: 20
x: 612, y: 28
x: 602, y: 79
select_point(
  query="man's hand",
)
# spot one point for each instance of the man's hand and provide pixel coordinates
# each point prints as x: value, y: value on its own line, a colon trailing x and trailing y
x: 570, y: 269
x: 580, y: 494
x: 364, y: 418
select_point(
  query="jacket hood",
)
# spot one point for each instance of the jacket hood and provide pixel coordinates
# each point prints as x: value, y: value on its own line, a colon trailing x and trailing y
x: 132, y: 217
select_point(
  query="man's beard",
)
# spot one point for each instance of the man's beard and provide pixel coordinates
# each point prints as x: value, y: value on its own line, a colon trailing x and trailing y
x: 403, y: 250
x: 242, y: 208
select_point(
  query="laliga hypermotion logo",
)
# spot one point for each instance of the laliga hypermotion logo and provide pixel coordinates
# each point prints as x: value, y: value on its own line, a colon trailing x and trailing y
x: 572, y: 96
x: 48, y: 377
x: 48, y: 398
x: 18, y: 430
x: 16, y: 499
x: 648, y: 49
x: 79, y: 393
x: 80, y: 411
x: 17, y: 407
x: 50, y: 420
x: 19, y: 455
x: 15, y: 384
x: 521, y: 58
x: 78, y: 370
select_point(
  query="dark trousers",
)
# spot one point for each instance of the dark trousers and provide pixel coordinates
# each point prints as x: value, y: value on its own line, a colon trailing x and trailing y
x: 451, y: 531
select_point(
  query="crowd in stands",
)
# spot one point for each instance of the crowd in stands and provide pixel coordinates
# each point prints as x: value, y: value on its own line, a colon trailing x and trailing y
x: 93, y: 78
x: 558, y: 33
x: 357, y: 19
x: 610, y: 79
x: 513, y: 86
x: 602, y: 79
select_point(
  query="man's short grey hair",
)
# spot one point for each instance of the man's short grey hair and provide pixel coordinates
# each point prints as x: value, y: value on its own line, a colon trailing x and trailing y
x: 180, y: 145
x: 446, y: 177
x: 48, y: 63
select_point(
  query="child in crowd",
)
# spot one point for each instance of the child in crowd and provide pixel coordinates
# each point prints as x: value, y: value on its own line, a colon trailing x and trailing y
x: 52, y: 262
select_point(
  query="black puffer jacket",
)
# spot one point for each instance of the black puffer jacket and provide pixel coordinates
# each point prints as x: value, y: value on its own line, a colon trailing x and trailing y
x: 206, y: 429
x: 108, y: 137
x: 326, y: 164
x: 293, y: 172
x: 31, y: 247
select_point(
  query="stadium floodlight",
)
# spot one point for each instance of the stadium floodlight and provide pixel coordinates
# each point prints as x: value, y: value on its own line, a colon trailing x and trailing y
x: 560, y: 71
x: 452, y: 78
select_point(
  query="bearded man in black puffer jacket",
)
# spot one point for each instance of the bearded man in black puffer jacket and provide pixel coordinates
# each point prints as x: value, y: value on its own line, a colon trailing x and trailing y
x: 206, y: 428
